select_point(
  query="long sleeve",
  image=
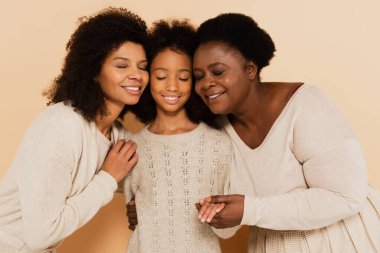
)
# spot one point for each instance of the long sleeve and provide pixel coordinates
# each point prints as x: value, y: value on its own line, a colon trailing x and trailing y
x: 333, y: 168
x: 53, y: 152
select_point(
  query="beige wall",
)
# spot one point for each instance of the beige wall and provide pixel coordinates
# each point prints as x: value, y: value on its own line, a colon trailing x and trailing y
x: 332, y: 44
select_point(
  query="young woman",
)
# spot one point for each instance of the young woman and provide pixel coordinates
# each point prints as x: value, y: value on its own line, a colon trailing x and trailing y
x: 181, y: 158
x: 58, y: 180
x: 299, y: 169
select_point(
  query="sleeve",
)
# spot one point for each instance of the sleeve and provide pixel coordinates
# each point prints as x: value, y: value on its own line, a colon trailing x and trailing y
x: 333, y: 167
x: 127, y: 188
x: 129, y: 185
x: 226, y: 161
x: 46, y: 162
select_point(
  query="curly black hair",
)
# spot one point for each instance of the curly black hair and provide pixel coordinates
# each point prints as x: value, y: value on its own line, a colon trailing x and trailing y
x: 240, y: 32
x: 179, y: 36
x: 87, y: 50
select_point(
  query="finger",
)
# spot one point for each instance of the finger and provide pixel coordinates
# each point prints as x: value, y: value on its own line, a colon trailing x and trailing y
x: 219, y: 207
x: 217, y: 199
x: 203, y: 210
x: 128, y: 149
x: 201, y: 201
x: 198, y: 206
x: 211, y: 213
x: 119, y: 145
x: 208, y: 212
x: 133, y: 160
x: 132, y: 221
x: 131, y: 215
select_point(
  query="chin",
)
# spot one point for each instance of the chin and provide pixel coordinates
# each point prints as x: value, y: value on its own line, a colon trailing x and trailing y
x: 132, y: 101
x: 217, y: 110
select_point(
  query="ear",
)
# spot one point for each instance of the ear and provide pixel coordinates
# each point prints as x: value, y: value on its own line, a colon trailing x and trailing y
x: 251, y: 68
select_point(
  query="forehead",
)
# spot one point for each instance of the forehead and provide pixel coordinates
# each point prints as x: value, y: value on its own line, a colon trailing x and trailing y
x: 170, y: 57
x: 214, y: 51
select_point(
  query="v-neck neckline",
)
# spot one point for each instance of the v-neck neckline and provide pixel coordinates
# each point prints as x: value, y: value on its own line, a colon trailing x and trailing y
x: 235, y: 135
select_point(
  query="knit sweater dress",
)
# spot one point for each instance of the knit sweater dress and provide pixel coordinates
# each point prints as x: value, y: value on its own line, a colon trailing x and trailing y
x: 172, y: 174
x: 306, y: 186
x: 54, y: 185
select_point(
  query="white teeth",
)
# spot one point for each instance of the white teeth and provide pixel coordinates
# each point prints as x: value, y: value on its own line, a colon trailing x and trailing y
x: 214, y: 96
x: 132, y: 88
x: 171, y: 98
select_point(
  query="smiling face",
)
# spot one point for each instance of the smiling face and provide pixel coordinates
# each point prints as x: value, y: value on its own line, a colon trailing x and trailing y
x: 223, y: 78
x: 170, y: 81
x: 123, y: 76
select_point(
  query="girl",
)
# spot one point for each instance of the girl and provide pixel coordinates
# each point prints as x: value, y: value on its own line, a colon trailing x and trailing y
x: 58, y: 181
x: 181, y: 158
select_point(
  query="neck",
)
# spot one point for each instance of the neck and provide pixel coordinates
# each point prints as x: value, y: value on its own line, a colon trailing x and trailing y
x: 167, y: 124
x: 248, y: 111
x: 104, y: 122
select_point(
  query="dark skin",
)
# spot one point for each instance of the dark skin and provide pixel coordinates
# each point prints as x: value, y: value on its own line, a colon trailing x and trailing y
x: 252, y: 108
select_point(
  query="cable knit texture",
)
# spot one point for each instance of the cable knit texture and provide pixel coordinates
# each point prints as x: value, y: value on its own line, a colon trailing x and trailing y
x: 53, y: 186
x: 173, y: 173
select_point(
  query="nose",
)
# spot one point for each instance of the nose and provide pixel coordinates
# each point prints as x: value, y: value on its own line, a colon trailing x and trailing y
x: 135, y: 74
x: 206, y: 82
x: 172, y: 84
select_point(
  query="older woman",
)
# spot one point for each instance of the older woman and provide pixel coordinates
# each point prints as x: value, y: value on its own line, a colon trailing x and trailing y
x: 300, y: 174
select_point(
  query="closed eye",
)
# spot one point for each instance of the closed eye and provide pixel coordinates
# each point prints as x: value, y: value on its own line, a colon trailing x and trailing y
x: 217, y: 73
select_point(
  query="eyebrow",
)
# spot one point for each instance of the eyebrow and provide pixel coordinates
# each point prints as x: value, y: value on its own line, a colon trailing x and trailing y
x: 126, y: 59
x: 165, y: 69
x: 211, y: 65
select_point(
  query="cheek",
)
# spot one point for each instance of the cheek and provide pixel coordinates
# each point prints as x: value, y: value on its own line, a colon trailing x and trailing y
x: 198, y: 89
x: 145, y: 78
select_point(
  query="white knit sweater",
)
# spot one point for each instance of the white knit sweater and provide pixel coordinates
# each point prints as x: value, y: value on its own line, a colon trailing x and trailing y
x: 53, y: 186
x: 172, y: 174
x: 308, y: 173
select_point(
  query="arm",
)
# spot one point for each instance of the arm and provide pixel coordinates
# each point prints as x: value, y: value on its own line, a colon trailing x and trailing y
x: 333, y: 167
x: 334, y: 171
x: 47, y: 161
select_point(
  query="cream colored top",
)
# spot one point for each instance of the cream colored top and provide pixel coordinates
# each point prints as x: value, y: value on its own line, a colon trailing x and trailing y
x: 309, y: 171
x: 53, y: 186
x: 172, y: 174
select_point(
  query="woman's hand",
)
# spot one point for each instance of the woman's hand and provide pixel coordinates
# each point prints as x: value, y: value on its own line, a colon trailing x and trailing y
x: 230, y: 216
x: 132, y: 214
x: 120, y: 159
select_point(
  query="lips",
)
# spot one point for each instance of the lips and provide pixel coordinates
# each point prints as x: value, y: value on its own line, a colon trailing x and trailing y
x: 171, y: 99
x: 132, y: 89
x: 213, y: 96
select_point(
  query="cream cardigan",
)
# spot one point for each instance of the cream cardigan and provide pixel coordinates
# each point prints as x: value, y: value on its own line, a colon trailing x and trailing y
x: 53, y: 186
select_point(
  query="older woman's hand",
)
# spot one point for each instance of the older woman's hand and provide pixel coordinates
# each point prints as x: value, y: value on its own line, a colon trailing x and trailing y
x: 230, y: 216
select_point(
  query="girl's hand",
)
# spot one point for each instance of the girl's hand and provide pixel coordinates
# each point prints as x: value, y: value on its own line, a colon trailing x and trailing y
x: 120, y: 159
x: 229, y: 216
x: 209, y: 210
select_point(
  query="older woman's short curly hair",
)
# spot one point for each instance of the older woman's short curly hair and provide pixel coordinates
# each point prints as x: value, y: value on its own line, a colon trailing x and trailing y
x: 240, y: 32
x: 87, y: 50
x: 179, y: 36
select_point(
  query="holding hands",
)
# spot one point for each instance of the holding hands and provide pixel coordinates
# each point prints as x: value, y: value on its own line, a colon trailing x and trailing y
x: 221, y: 211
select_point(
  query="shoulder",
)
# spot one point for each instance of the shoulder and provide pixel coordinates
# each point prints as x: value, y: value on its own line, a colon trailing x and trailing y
x: 58, y: 119
x: 218, y: 137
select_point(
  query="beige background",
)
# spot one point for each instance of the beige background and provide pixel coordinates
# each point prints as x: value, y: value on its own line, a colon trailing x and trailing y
x: 331, y: 44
